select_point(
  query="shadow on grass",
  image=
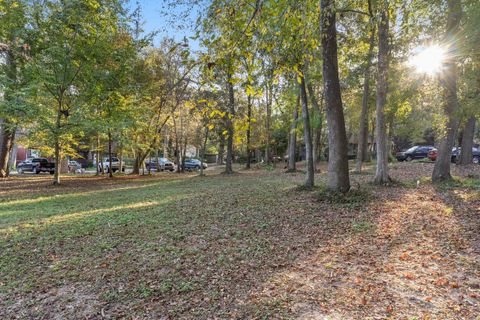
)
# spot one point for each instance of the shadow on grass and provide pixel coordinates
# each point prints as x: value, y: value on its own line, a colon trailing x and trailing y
x: 409, y: 255
x: 242, y: 247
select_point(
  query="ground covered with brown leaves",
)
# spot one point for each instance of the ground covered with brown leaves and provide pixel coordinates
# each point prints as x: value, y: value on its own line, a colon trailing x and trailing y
x: 250, y: 245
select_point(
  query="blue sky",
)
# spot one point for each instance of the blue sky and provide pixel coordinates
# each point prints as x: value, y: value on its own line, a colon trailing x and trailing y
x: 168, y: 26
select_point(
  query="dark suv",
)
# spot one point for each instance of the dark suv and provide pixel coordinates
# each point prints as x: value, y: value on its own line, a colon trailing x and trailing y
x: 36, y: 165
x: 416, y: 152
x: 194, y: 164
x: 163, y: 164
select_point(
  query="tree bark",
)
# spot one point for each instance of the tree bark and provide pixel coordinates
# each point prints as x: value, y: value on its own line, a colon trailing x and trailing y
x: 221, y: 149
x: 110, y: 169
x: 338, y: 178
x: 204, y: 148
x: 268, y: 105
x: 184, y: 152
x: 121, y: 167
x: 139, y: 161
x: 230, y: 132
x: 317, y: 132
x: 56, y: 176
x: 362, y: 147
x: 136, y: 165
x: 98, y: 164
x: 307, y: 134
x: 292, y: 141
x: 177, y: 146
x: 249, y: 116
x: 466, y: 155
x: 165, y: 143
x: 7, y: 135
x: 381, y: 174
x: 441, y: 170
x: 7, y: 130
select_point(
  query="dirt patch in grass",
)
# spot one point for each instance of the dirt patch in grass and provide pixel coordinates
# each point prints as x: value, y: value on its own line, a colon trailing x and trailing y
x: 250, y: 245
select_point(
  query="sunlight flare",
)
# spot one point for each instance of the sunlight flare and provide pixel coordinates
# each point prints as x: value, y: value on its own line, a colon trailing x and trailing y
x: 429, y: 60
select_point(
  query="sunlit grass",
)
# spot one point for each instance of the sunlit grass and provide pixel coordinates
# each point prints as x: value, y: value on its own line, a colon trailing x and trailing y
x: 196, y: 241
x: 43, y: 223
x: 6, y: 204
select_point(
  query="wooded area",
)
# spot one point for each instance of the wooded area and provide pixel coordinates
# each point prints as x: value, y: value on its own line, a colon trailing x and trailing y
x: 323, y: 98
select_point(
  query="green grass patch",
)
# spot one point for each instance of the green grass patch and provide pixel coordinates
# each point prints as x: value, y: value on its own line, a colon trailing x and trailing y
x: 362, y: 226
x: 353, y: 199
x: 468, y: 182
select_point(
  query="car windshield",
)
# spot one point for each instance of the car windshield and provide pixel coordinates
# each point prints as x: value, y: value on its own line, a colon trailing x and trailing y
x: 412, y: 149
x: 164, y: 160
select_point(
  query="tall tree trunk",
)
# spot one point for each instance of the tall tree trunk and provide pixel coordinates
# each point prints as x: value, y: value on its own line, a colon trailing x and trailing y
x: 221, y: 149
x: 110, y: 169
x: 249, y: 129
x: 177, y: 146
x: 204, y: 148
x: 317, y: 132
x: 140, y: 161
x: 466, y: 155
x: 292, y: 140
x: 177, y: 157
x: 165, y: 142
x: 362, y: 147
x: 7, y: 136
x: 338, y: 178
x: 184, y: 153
x: 136, y: 165
x: 268, y: 105
x: 98, y: 162
x: 56, y: 176
x: 230, y: 115
x: 121, y: 167
x: 372, y: 148
x: 381, y: 174
x: 441, y: 170
x: 120, y: 154
x: 307, y: 134
x: 7, y: 130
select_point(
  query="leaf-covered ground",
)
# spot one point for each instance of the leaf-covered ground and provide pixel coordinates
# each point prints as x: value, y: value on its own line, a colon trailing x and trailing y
x: 250, y: 245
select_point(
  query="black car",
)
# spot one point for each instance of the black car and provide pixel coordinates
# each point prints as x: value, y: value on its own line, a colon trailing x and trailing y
x: 475, y: 153
x: 36, y: 165
x: 416, y: 152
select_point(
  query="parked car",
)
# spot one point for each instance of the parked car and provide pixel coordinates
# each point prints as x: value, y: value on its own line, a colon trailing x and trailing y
x: 166, y: 164
x: 416, y: 152
x: 74, y: 166
x: 194, y: 164
x: 475, y: 154
x: 162, y: 165
x: 36, y: 165
x: 106, y: 165
x: 432, y: 155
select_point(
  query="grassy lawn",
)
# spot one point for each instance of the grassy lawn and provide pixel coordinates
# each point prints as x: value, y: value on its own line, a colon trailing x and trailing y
x: 250, y: 245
